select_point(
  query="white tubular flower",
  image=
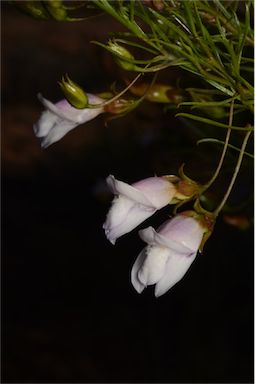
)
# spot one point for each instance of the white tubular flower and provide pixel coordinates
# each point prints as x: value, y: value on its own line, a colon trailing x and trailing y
x: 169, y: 254
x: 135, y: 203
x: 60, y: 118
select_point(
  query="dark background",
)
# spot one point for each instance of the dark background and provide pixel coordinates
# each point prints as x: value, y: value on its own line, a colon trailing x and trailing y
x: 69, y: 312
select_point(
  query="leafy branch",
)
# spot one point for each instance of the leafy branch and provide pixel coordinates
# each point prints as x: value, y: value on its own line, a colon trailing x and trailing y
x: 203, y: 37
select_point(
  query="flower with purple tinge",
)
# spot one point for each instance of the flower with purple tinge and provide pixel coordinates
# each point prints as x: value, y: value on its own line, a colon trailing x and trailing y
x: 169, y: 253
x: 60, y: 118
x: 134, y: 203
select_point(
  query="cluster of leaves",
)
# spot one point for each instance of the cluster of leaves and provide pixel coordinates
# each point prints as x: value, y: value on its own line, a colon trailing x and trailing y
x: 212, y: 39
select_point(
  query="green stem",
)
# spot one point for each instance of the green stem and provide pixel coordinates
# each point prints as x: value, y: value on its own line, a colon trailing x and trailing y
x: 237, y: 168
x: 216, y: 173
x: 119, y: 94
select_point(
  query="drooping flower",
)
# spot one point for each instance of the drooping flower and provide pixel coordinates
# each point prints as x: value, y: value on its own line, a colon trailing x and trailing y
x: 169, y: 253
x: 134, y: 203
x: 60, y: 118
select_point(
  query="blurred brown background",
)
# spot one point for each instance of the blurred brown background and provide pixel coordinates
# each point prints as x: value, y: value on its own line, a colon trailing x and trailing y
x: 69, y: 311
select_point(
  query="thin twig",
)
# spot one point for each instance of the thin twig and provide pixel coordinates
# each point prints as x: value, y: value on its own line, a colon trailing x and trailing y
x: 216, y: 173
x: 237, y: 168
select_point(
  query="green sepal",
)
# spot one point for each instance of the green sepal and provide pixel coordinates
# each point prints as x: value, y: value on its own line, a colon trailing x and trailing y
x: 74, y: 94
x: 172, y: 179
x: 204, y: 240
x: 207, y: 220
x: 183, y: 176
x: 200, y: 210
x: 187, y: 188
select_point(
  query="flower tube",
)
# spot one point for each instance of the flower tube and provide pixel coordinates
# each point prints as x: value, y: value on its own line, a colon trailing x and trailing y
x: 134, y: 203
x: 169, y: 253
x: 60, y: 118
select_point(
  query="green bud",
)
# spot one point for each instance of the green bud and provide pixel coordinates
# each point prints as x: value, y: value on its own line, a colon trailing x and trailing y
x: 122, y: 56
x: 32, y: 8
x: 158, y: 93
x: 56, y: 9
x: 55, y: 3
x: 74, y: 94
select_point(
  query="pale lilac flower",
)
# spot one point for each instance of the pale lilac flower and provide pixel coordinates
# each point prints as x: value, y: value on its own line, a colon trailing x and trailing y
x: 134, y: 203
x: 169, y: 254
x: 60, y: 118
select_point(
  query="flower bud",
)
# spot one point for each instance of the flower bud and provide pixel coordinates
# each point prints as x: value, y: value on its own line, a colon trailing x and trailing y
x: 32, y: 8
x: 158, y: 93
x: 122, y: 56
x: 74, y: 93
x: 56, y: 9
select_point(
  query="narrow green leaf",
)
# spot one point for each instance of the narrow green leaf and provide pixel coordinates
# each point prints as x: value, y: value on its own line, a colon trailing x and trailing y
x: 209, y: 103
x: 134, y: 44
x: 221, y: 88
x: 211, y: 122
x: 211, y: 140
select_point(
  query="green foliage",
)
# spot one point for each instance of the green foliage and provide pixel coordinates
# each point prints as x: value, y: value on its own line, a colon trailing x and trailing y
x: 207, y: 38
x: 213, y: 40
x: 210, y: 39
